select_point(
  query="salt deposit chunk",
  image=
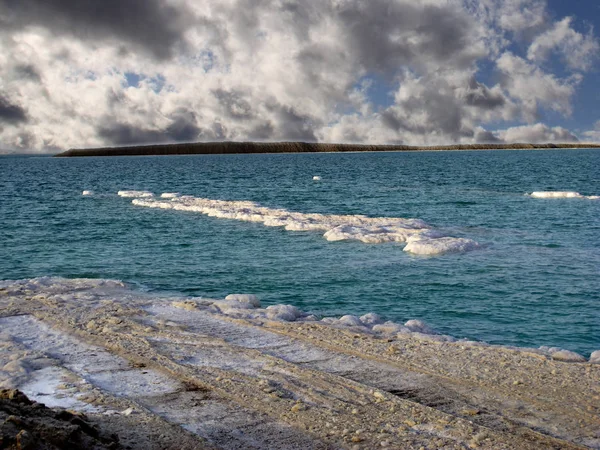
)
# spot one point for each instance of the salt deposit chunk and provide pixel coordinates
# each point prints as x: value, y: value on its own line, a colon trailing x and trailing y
x: 317, y: 178
x: 389, y: 328
x: 329, y: 320
x: 370, y: 230
x: 226, y: 306
x: 556, y: 194
x: 87, y: 193
x: 420, y: 245
x: 351, y: 321
x: 595, y: 357
x: 249, y: 299
x: 371, y: 319
x: 287, y: 313
x: 419, y: 327
x: 135, y: 194
x: 567, y: 356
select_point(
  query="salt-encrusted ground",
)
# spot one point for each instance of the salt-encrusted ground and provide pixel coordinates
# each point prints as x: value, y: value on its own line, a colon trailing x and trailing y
x: 192, y: 373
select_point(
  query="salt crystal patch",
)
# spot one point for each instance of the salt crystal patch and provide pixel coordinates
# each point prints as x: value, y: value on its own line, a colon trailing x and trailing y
x: 371, y: 319
x: 227, y: 305
x: 329, y: 320
x: 595, y: 357
x: 87, y: 193
x: 286, y: 313
x: 556, y: 194
x: 169, y: 195
x: 419, y: 245
x: 419, y: 327
x: 371, y: 230
x: 562, y: 194
x: 317, y: 178
x: 389, y: 328
x: 249, y: 299
x: 568, y: 356
x: 351, y: 321
x: 135, y: 194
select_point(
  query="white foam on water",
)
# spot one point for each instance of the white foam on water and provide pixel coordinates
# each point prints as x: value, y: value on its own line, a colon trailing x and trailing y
x: 369, y: 230
x: 562, y: 194
x: 135, y: 194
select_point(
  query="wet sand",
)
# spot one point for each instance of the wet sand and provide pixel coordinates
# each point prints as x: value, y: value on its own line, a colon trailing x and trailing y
x: 179, y: 373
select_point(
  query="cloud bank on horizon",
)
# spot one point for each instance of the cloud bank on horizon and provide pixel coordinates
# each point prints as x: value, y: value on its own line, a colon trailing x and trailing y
x: 122, y: 72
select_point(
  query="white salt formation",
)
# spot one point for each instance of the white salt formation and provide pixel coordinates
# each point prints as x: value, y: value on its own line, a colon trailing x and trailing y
x: 135, y: 194
x: 317, y: 178
x: 563, y: 194
x: 422, y: 239
x: 86, y: 193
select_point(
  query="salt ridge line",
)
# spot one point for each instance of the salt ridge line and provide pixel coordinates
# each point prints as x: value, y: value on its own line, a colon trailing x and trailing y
x: 562, y: 194
x: 248, y: 307
x: 421, y: 239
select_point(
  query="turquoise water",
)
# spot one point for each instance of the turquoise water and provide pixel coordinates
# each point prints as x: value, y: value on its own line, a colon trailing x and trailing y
x: 534, y: 282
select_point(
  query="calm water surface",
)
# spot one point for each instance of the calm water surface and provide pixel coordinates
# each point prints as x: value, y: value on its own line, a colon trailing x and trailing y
x: 535, y: 282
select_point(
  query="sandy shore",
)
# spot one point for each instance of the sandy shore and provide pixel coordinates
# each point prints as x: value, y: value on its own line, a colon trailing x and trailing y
x: 173, y: 373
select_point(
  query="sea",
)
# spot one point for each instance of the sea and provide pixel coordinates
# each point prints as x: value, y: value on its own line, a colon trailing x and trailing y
x: 532, y: 279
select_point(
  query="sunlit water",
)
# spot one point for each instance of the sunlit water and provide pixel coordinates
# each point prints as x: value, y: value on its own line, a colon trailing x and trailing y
x: 535, y: 281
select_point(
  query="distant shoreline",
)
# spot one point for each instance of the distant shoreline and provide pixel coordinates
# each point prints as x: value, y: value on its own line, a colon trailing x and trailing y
x: 220, y: 148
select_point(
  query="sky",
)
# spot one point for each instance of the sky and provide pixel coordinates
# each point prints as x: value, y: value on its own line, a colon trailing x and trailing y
x: 126, y: 72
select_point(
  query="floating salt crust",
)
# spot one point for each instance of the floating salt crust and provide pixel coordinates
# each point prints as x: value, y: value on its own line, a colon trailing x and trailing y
x: 421, y: 238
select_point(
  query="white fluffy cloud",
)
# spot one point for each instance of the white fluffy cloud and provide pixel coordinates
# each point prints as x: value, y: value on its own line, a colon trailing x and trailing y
x: 139, y: 71
x: 593, y: 135
x: 538, y: 133
x: 577, y: 50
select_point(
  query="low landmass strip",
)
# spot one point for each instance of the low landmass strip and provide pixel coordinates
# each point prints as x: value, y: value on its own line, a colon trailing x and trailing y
x: 217, y: 148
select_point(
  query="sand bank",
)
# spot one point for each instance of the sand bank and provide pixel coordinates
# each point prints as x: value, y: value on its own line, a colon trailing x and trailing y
x: 203, y: 373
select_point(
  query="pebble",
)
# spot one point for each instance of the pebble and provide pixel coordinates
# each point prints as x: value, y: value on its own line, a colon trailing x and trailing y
x: 379, y: 396
x: 127, y: 412
x: 298, y: 407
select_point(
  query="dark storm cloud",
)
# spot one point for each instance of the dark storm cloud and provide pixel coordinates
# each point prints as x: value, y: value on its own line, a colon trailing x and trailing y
x: 234, y: 104
x: 184, y: 127
x: 149, y: 24
x: 482, y: 97
x: 261, y: 132
x: 27, y: 72
x: 125, y: 134
x: 444, y: 115
x: 381, y: 33
x: 486, y: 137
x: 11, y: 113
x: 294, y: 126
